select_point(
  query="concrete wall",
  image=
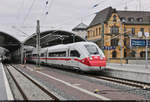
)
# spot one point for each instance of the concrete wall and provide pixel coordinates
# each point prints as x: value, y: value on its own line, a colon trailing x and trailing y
x: 137, y: 61
x: 137, y: 76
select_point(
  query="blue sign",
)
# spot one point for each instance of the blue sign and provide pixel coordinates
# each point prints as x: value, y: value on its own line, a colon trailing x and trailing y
x: 109, y: 47
x: 139, y: 42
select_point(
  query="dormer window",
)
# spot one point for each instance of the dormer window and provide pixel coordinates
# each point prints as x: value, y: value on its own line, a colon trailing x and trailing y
x: 131, y: 19
x: 123, y: 19
x: 114, y: 18
x: 140, y: 19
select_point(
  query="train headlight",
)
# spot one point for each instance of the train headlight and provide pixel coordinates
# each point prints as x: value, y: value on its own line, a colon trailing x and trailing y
x: 90, y: 58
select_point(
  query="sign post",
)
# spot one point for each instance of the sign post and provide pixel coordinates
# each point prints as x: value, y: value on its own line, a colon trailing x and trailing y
x: 120, y: 44
x: 146, y: 35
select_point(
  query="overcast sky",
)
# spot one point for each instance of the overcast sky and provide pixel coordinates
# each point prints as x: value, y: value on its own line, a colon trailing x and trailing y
x: 21, y: 15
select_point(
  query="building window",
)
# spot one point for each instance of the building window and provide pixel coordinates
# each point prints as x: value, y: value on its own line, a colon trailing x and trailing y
x: 99, y: 31
x: 133, y: 30
x: 142, y: 30
x: 131, y: 19
x: 114, y: 18
x: 114, y: 30
x: 133, y: 54
x: 125, y: 52
x: 140, y: 19
x: 93, y: 33
x: 88, y: 34
x: 124, y: 30
x: 123, y: 19
x: 96, y: 32
x: 114, y: 54
x: 125, y: 42
x: 142, y: 54
x: 114, y: 42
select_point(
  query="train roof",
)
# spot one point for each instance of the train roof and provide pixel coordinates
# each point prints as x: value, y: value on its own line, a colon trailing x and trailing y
x: 64, y: 46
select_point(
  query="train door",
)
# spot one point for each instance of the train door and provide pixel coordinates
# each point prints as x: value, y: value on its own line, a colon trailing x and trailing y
x: 75, y: 56
x: 46, y: 56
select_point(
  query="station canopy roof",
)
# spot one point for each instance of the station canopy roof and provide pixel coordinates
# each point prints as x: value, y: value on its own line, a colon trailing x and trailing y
x: 9, y: 42
x: 53, y: 37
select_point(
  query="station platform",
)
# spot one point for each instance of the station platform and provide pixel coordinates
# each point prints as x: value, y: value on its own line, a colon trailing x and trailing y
x: 129, y: 67
x: 136, y: 72
x: 5, y: 93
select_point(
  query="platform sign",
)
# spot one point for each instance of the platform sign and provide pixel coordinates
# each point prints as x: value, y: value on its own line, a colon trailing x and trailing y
x: 139, y: 42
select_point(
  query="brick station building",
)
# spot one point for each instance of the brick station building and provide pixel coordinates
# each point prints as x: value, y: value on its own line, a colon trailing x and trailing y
x: 113, y: 28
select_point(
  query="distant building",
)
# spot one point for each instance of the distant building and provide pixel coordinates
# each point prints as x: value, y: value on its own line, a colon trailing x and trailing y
x: 111, y: 25
x: 80, y: 30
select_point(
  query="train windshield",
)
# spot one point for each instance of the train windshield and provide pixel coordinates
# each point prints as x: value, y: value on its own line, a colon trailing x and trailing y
x: 92, y: 49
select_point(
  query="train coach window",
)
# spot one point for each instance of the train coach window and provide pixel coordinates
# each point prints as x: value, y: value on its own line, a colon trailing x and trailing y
x: 74, y: 53
x: 57, y: 54
x: 61, y: 54
x: 34, y: 55
x: 42, y: 54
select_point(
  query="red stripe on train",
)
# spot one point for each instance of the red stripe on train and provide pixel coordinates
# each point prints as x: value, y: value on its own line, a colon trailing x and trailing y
x: 97, y: 62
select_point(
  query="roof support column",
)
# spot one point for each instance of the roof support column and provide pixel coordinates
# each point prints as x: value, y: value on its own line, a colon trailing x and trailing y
x: 22, y: 50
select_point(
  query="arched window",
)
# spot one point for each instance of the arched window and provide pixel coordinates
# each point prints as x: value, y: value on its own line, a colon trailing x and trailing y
x: 114, y: 18
x: 142, y: 54
x: 125, y: 52
x: 114, y: 54
x: 133, y: 53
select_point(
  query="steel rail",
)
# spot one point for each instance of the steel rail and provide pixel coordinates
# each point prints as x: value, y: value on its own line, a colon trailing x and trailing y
x: 18, y: 86
x: 41, y: 87
x: 122, y: 81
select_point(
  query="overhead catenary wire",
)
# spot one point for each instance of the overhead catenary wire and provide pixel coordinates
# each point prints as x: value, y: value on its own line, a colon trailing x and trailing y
x: 29, y: 10
x: 19, y: 9
x: 48, y: 6
x: 14, y: 27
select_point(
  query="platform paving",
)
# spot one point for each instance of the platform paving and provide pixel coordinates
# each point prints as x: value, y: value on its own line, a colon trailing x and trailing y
x: 129, y: 67
x: 3, y: 93
x: 134, y: 72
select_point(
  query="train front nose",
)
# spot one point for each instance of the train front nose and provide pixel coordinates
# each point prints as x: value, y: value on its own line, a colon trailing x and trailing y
x: 97, y: 61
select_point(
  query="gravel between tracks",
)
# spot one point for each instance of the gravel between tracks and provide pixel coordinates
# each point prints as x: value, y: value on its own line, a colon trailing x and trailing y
x: 31, y: 90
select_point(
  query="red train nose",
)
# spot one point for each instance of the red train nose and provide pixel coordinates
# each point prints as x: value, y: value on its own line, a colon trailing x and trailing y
x: 97, y: 61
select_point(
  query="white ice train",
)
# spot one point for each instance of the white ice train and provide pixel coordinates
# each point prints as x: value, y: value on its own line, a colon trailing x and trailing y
x: 84, y: 56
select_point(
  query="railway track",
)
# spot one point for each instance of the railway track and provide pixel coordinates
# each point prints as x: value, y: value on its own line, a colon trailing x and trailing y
x: 136, y: 85
x: 131, y: 83
x: 24, y: 95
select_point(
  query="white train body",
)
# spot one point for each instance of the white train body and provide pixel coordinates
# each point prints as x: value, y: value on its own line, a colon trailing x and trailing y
x: 85, y: 56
